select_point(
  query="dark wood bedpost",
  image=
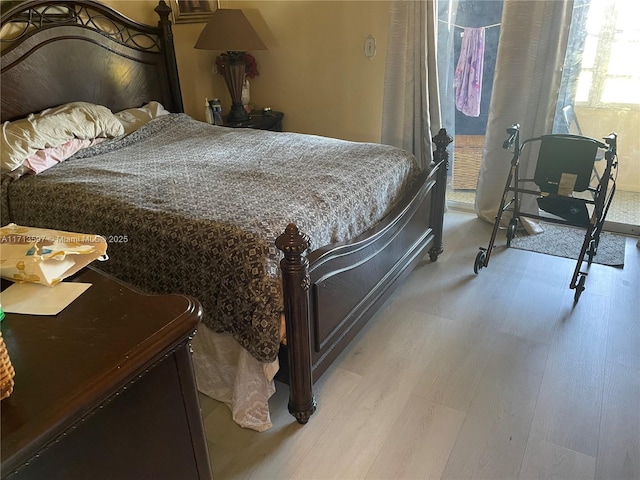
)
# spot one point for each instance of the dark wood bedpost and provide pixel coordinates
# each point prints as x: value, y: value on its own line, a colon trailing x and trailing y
x: 295, y: 283
x: 440, y: 161
x: 163, y: 10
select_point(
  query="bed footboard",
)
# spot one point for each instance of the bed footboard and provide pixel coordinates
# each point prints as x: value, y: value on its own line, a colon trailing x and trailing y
x: 332, y: 292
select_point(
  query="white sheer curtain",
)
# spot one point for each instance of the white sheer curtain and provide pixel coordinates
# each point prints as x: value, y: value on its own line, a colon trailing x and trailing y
x: 531, y: 51
x: 411, y: 106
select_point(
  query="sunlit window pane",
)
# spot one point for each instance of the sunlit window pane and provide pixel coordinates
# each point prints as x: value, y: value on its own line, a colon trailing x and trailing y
x: 628, y: 12
x: 623, y: 59
x: 597, y: 10
x: 627, y: 34
x: 584, y: 85
x: 589, y: 52
x: 610, y: 71
x: 621, y: 90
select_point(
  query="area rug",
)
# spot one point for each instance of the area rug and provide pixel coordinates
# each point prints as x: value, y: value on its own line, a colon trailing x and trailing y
x: 564, y: 241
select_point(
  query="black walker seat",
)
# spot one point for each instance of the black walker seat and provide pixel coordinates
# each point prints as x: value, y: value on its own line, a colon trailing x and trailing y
x: 566, y: 166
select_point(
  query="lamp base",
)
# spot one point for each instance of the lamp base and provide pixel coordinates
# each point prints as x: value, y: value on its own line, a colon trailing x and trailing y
x: 237, y: 114
x: 234, y: 74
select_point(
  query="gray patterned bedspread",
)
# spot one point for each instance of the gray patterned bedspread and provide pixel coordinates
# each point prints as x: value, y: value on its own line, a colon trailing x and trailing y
x: 192, y: 208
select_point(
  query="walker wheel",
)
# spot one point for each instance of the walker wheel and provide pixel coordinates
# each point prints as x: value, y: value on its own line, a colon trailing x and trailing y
x: 479, y: 263
x: 579, y: 289
x: 511, y: 230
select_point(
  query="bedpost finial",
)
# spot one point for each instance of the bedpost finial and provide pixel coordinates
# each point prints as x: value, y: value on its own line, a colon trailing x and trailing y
x: 442, y: 139
x: 292, y: 242
x: 163, y: 10
x: 292, y: 229
x: 441, y: 155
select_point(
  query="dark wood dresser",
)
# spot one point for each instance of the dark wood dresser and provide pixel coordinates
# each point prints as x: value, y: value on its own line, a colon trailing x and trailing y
x: 105, y: 389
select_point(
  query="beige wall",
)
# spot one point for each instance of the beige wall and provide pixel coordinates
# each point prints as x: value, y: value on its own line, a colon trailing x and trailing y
x: 314, y: 70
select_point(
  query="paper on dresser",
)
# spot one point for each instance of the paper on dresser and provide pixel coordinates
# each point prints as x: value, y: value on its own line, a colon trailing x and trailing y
x: 36, y: 299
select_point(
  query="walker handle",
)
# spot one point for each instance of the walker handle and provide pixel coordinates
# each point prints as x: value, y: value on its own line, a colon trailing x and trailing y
x: 513, y: 131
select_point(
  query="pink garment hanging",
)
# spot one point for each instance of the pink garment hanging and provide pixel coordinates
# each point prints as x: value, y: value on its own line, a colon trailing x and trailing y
x: 468, y: 75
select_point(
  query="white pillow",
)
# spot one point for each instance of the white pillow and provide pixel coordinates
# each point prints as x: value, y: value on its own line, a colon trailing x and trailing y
x: 54, y: 127
x: 134, y: 118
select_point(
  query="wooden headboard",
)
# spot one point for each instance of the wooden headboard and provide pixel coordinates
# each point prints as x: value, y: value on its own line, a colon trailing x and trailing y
x: 56, y: 52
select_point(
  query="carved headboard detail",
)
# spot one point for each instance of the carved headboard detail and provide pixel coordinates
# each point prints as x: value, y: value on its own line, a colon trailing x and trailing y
x: 57, y: 51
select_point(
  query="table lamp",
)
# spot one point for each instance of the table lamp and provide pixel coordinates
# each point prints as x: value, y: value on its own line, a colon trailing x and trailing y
x: 230, y: 31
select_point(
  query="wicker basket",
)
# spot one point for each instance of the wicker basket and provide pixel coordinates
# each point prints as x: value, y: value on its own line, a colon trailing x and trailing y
x: 6, y: 371
x: 466, y: 161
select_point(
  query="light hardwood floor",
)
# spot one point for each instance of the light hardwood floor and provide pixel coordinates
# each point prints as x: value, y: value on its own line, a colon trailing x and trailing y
x: 461, y: 376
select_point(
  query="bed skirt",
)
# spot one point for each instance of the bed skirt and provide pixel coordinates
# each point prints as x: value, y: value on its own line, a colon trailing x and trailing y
x: 230, y: 374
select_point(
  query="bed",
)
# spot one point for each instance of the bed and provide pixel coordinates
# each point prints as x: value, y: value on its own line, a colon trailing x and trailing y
x: 325, y: 275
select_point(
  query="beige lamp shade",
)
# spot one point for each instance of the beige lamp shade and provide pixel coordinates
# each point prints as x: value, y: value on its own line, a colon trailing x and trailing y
x: 228, y: 29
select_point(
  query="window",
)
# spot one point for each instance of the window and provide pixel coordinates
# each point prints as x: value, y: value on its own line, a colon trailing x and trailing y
x: 609, y: 71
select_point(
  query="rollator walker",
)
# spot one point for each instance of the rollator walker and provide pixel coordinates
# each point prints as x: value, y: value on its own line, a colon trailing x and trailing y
x: 569, y: 187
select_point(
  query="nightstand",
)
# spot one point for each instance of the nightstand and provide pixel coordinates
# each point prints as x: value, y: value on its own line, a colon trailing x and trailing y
x: 260, y: 120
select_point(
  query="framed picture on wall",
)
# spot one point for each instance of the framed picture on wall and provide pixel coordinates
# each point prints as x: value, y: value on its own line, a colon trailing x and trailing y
x: 192, y: 11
